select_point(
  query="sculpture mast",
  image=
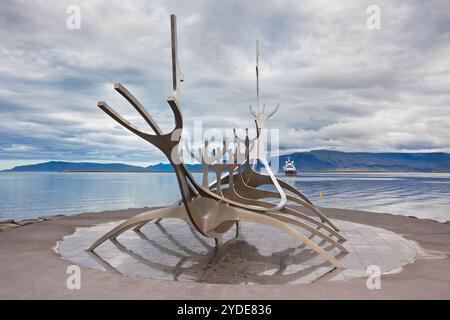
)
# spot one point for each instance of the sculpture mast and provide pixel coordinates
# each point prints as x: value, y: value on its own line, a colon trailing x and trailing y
x: 213, y: 214
x: 177, y: 76
x: 257, y: 76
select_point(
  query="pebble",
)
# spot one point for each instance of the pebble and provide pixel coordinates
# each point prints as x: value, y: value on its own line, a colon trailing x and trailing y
x: 7, y: 221
x: 11, y: 223
x: 58, y: 216
x: 27, y: 222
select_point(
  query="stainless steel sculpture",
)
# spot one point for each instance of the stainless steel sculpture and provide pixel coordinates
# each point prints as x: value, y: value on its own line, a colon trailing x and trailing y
x: 214, y: 208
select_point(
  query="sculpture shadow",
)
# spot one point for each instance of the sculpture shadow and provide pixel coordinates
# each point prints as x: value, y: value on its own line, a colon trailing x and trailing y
x: 237, y: 262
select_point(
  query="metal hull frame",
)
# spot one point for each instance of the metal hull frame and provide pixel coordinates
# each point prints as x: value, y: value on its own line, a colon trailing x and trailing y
x: 213, y: 209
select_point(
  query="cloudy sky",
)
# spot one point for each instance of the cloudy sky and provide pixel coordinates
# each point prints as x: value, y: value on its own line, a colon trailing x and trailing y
x: 340, y: 85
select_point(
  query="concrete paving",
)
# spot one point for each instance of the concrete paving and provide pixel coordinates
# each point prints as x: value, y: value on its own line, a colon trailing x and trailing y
x: 170, y: 250
x: 31, y: 268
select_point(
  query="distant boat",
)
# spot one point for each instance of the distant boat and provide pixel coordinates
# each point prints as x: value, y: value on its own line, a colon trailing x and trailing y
x: 289, y: 168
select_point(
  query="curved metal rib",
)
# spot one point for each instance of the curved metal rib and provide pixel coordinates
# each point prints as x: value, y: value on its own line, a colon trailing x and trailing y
x: 261, y: 194
x: 168, y: 212
x: 209, y: 213
x: 245, y: 191
x: 264, y: 115
x: 271, y: 176
x: 125, y: 123
x: 308, y: 228
x: 138, y: 106
x: 269, y: 221
x: 229, y: 193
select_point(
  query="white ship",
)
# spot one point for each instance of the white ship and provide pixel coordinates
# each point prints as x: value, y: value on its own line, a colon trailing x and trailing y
x: 289, y: 168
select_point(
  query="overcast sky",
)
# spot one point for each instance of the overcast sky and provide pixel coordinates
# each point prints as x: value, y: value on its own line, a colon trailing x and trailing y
x: 340, y: 85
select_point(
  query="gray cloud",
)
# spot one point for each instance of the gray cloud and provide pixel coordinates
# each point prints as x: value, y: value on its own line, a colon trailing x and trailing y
x: 340, y: 85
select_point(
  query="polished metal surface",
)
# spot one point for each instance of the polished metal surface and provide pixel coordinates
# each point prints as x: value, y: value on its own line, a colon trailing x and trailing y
x: 213, y: 210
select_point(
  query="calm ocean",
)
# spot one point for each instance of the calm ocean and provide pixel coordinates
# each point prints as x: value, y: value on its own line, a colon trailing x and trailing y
x: 33, y: 194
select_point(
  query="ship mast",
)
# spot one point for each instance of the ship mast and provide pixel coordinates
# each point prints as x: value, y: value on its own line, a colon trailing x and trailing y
x: 257, y: 103
x: 257, y: 76
x: 177, y: 75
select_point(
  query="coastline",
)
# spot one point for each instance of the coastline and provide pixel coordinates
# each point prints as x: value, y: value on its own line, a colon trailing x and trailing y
x: 31, y: 268
x: 6, y: 224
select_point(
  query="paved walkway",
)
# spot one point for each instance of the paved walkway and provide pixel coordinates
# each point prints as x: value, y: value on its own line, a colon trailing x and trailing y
x: 170, y: 250
x: 30, y: 267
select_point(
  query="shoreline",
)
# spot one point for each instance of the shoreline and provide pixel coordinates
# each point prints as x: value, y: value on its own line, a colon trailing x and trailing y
x: 10, y: 223
x: 31, y: 268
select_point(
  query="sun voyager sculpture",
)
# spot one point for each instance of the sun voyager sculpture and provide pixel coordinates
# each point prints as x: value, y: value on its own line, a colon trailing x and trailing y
x: 214, y: 208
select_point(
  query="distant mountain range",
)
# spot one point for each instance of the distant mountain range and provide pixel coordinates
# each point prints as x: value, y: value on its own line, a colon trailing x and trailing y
x: 326, y: 160
x: 77, y: 166
x: 317, y: 160
x: 166, y: 167
x: 93, y: 166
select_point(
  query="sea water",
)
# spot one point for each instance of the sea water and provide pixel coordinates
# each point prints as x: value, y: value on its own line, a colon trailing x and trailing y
x: 33, y: 194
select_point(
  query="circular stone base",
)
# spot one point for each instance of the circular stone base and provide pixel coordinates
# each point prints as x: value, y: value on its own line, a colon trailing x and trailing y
x: 170, y: 250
